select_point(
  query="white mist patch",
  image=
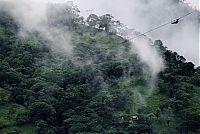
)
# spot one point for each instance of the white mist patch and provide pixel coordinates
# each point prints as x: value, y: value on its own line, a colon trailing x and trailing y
x: 138, y: 100
x: 148, y: 55
x: 32, y: 17
x: 144, y: 48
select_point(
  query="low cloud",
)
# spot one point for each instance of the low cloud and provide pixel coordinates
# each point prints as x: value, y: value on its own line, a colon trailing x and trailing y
x: 33, y: 17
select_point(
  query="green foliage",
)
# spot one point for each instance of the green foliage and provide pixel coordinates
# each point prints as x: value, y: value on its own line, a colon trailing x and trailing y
x: 178, y: 83
x: 43, y: 128
x: 102, y: 89
x: 41, y: 110
x: 10, y: 113
x: 23, y: 129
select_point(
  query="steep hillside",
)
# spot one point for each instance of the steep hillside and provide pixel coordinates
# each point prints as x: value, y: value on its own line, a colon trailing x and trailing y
x: 101, y: 87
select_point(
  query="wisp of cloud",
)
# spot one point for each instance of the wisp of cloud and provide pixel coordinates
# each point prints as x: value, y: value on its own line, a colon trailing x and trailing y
x: 34, y: 16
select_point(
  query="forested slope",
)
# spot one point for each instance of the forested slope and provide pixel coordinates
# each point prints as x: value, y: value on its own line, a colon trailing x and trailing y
x: 100, y: 88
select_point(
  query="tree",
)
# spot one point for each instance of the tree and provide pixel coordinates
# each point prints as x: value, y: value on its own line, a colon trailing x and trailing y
x: 41, y: 110
x: 4, y: 95
x: 92, y: 20
x: 42, y: 127
x: 187, y: 69
x: 140, y: 129
x: 105, y: 22
x: 62, y: 15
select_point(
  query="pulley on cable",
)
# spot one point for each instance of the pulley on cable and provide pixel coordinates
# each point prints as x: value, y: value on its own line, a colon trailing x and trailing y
x: 175, y: 21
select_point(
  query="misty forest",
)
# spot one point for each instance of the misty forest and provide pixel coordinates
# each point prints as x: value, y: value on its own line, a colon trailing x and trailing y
x: 62, y: 73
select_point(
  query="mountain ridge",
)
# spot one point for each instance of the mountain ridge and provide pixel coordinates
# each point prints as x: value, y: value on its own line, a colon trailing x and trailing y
x: 102, y: 89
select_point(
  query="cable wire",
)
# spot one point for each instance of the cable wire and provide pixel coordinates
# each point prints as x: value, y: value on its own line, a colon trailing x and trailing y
x: 181, y: 17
